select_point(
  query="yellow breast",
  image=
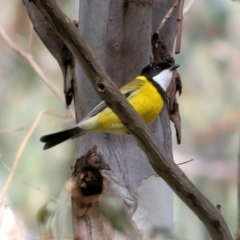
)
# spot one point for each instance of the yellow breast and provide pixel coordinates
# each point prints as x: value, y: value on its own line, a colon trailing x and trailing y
x: 147, y: 102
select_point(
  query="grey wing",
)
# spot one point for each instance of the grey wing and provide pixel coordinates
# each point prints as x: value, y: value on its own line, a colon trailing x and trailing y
x: 102, y: 105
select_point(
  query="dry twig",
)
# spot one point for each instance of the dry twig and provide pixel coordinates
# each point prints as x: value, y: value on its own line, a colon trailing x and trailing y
x: 18, y: 155
x: 28, y: 184
x: 67, y: 117
x: 188, y: 7
x: 30, y: 38
x: 6, y: 131
x: 185, y: 162
x: 167, y: 16
x: 29, y: 58
x: 179, y: 28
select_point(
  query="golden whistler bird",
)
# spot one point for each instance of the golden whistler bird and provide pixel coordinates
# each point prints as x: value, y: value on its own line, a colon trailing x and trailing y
x: 146, y: 93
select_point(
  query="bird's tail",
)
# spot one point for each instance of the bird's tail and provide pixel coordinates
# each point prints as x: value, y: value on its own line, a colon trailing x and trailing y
x: 54, y: 139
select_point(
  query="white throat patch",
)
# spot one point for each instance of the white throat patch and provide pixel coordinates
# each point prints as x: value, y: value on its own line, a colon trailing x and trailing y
x: 164, y: 78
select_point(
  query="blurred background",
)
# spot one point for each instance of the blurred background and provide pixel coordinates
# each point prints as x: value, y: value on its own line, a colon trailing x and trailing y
x: 209, y: 105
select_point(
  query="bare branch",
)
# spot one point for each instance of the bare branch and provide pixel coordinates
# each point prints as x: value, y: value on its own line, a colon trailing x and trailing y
x: 167, y: 16
x: 158, y: 157
x: 55, y: 46
x: 29, y: 184
x: 30, y: 39
x: 28, y: 57
x: 67, y: 117
x: 185, y: 162
x: 188, y: 7
x: 6, y: 131
x: 18, y: 155
x: 179, y: 28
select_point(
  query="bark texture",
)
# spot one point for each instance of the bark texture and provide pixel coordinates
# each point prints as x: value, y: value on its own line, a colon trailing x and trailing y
x: 120, y: 32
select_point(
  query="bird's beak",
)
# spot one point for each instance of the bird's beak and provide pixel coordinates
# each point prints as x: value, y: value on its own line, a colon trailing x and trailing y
x: 173, y: 67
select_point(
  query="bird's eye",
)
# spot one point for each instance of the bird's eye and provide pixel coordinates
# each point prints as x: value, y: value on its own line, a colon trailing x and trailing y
x: 157, y: 68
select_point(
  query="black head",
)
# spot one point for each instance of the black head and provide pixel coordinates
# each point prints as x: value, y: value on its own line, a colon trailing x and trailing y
x: 155, y: 68
x: 161, y: 73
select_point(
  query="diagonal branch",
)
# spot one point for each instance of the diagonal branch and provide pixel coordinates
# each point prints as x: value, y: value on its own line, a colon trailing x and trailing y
x: 179, y: 28
x: 29, y: 58
x: 158, y: 157
x: 18, y: 155
x: 188, y: 7
x: 167, y: 16
x: 55, y: 46
x: 27, y: 183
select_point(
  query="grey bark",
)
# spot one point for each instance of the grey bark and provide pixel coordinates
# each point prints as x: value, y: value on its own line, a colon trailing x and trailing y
x: 120, y: 35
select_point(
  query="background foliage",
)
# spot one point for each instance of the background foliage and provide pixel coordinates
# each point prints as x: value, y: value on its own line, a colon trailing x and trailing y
x: 210, y: 70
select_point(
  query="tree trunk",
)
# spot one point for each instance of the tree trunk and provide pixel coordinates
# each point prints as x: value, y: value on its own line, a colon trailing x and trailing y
x: 119, y: 32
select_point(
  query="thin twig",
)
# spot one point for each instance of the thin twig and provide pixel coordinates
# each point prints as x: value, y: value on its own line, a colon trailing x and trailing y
x: 18, y: 155
x: 30, y: 38
x: 67, y: 117
x: 6, y: 131
x: 179, y: 28
x: 188, y: 7
x: 28, y: 57
x: 167, y: 16
x: 28, y: 184
x: 185, y: 162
